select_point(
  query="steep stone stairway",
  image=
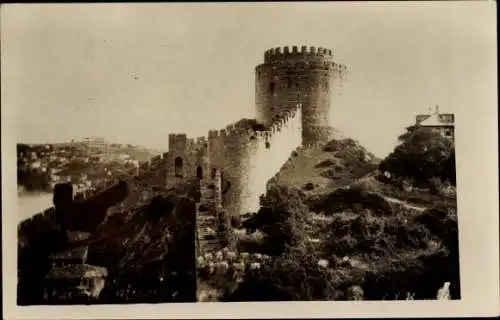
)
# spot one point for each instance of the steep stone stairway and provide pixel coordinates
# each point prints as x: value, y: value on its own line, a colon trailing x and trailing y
x: 209, y: 237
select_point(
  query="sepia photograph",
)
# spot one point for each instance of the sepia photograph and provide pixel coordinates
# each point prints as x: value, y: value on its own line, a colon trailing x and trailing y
x: 238, y: 152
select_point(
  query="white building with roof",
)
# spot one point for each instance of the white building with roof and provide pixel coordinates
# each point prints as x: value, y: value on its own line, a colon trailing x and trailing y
x: 443, y: 123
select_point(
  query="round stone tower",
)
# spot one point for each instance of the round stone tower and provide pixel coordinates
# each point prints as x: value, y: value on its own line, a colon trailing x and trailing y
x: 306, y: 77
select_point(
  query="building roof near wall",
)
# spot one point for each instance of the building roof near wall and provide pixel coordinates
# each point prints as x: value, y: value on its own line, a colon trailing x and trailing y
x: 73, y: 254
x: 434, y: 121
x: 77, y: 271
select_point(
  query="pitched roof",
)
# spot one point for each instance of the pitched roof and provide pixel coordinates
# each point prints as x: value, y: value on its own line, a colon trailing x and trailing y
x: 434, y: 121
x: 77, y: 271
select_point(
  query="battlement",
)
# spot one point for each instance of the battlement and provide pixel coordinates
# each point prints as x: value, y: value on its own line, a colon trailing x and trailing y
x: 44, y: 216
x: 196, y: 144
x: 281, y: 121
x: 243, y: 135
x: 262, y: 137
x: 217, y: 133
x: 341, y: 69
x: 229, y: 131
x: 295, y: 53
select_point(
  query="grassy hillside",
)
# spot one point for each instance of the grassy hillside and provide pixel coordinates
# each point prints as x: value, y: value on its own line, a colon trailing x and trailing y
x: 391, y: 237
x: 321, y: 168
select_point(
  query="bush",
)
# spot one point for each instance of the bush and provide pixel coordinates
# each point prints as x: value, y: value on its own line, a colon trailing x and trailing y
x: 295, y: 276
x: 422, y: 155
x: 331, y: 146
x: 442, y: 222
x: 236, y: 222
x: 281, y: 218
x: 352, y: 198
x: 326, y: 163
x: 309, y: 186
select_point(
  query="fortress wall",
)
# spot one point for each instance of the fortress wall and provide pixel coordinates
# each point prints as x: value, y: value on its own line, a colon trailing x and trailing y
x: 263, y: 78
x: 316, y: 113
x: 215, y: 147
x: 340, y: 77
x: 184, y: 157
x: 237, y: 153
x: 37, y: 223
x: 258, y: 160
x: 177, y: 147
x: 246, y: 159
x: 279, y: 88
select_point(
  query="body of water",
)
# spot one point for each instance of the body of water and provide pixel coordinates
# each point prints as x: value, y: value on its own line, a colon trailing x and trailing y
x: 30, y: 204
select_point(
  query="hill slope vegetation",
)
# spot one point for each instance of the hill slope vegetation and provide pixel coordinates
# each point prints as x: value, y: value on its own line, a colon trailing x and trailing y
x: 344, y: 219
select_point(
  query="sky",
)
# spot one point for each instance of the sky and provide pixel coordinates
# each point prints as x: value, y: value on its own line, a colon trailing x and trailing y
x: 133, y: 73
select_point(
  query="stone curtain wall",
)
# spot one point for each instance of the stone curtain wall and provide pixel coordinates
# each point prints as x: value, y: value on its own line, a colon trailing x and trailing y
x: 247, y: 159
x: 186, y: 159
x: 266, y: 157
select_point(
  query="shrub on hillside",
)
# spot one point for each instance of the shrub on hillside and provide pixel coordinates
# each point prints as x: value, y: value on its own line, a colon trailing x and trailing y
x: 236, y: 222
x: 352, y: 198
x: 326, y: 163
x: 442, y: 222
x: 332, y: 146
x: 309, y: 186
x: 422, y: 155
x: 282, y: 218
x: 294, y: 276
x: 349, y: 149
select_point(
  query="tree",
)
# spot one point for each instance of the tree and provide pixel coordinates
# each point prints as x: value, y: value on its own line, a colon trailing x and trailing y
x: 294, y: 276
x: 282, y: 218
x: 421, y: 155
x: 447, y: 170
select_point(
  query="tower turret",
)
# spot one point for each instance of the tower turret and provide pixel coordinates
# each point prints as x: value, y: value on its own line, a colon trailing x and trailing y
x: 305, y: 76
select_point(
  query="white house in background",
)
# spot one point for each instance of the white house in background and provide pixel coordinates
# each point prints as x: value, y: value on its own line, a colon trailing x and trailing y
x: 94, y: 142
x: 443, y: 123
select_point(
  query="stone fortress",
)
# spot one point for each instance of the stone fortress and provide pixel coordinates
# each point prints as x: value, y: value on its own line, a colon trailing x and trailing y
x: 294, y: 89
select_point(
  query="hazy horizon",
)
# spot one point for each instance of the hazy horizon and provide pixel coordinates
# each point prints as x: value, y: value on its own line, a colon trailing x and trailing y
x: 133, y: 73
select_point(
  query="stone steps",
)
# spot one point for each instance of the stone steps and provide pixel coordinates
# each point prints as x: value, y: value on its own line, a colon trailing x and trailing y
x: 207, y: 217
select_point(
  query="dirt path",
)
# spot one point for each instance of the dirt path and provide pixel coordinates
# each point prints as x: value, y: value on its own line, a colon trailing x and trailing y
x: 370, y: 176
x: 403, y: 203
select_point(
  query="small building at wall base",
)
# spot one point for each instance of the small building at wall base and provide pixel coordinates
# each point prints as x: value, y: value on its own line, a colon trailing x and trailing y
x: 74, y: 283
x: 71, y: 279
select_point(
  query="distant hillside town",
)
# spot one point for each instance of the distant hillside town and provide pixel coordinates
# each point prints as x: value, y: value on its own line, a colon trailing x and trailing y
x: 84, y: 163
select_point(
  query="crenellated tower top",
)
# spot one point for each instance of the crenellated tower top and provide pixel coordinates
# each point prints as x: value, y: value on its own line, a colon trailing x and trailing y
x: 303, y: 75
x: 296, y: 53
